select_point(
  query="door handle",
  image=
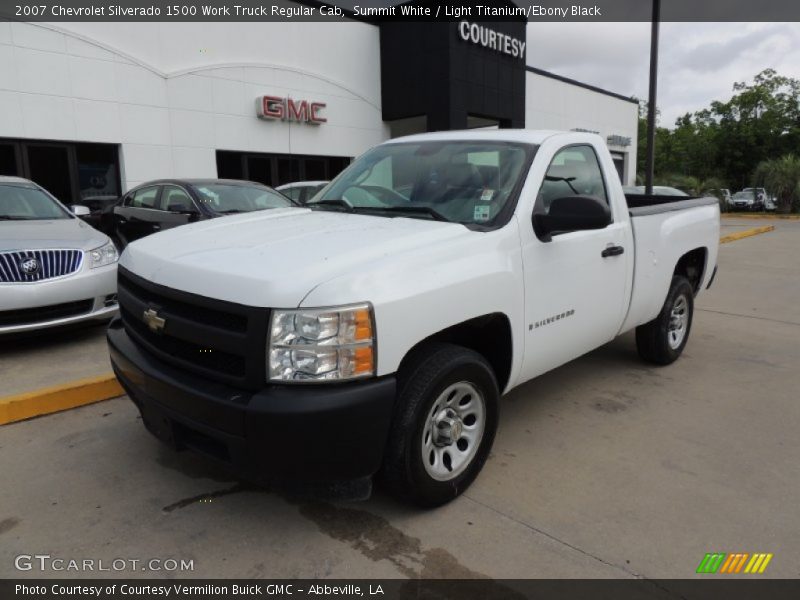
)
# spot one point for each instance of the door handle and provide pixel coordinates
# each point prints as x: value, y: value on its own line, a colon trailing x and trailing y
x: 612, y: 251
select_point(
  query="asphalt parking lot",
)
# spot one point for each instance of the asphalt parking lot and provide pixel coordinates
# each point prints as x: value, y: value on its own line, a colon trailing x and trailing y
x: 604, y: 468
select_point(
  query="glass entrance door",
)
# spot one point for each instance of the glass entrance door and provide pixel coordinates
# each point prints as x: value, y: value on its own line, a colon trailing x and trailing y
x: 9, y: 159
x: 49, y: 166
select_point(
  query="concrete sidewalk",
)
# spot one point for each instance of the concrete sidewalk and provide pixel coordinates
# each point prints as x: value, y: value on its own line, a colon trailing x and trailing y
x: 52, y: 358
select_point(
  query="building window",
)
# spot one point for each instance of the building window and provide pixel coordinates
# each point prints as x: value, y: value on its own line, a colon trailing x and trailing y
x: 278, y: 169
x: 72, y: 171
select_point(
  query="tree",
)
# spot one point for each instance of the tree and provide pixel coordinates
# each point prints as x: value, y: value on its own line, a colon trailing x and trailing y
x: 728, y: 140
x: 781, y: 176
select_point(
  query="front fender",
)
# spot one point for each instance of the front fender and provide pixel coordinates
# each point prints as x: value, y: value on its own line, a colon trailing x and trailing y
x: 418, y: 294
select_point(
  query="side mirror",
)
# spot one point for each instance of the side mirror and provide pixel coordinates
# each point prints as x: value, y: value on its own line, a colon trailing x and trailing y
x: 80, y: 211
x: 572, y: 213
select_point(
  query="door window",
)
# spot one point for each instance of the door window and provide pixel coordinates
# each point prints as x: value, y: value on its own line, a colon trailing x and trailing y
x: 575, y: 171
x: 175, y: 199
x: 144, y: 198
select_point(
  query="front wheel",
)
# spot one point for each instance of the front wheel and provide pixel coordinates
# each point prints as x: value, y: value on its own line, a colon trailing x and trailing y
x: 662, y: 340
x: 444, y: 425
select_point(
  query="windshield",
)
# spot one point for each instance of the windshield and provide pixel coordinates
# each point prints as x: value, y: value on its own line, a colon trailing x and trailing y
x: 226, y: 198
x: 744, y: 195
x: 460, y: 182
x: 26, y: 203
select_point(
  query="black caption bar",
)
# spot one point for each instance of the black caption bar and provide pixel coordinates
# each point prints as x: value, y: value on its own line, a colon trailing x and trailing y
x: 394, y: 589
x: 388, y: 10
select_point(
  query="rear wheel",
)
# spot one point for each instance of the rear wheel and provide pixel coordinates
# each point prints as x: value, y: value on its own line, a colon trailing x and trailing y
x: 444, y: 425
x: 662, y: 340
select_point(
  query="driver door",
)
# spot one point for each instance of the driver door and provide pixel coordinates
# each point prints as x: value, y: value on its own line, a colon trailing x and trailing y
x: 575, y: 285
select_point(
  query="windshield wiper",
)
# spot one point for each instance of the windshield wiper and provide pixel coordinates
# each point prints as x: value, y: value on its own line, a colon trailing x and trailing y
x: 340, y: 202
x: 16, y: 218
x: 230, y: 211
x: 425, y: 210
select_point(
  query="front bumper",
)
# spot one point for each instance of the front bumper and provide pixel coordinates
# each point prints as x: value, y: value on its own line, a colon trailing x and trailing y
x: 96, y: 287
x: 316, y: 433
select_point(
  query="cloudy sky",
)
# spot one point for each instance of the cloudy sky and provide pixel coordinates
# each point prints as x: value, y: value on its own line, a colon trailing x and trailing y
x: 699, y: 61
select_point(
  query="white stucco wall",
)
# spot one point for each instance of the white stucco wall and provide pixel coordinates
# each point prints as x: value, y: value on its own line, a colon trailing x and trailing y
x: 173, y: 93
x: 554, y: 104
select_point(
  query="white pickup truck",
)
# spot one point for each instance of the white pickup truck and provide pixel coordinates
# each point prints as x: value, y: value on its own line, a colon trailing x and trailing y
x: 374, y: 331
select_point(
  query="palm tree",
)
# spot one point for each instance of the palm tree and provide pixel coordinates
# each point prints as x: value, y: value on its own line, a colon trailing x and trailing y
x: 781, y: 176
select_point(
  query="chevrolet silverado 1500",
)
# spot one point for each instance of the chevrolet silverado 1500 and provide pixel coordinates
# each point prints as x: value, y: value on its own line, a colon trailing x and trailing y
x: 374, y: 331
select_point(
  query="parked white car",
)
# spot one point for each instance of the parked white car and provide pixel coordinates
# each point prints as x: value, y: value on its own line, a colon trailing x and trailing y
x: 301, y: 191
x: 375, y: 329
x: 54, y: 268
x: 723, y: 194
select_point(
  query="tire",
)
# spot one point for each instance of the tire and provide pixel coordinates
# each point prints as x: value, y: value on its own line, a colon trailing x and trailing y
x: 444, y: 425
x: 662, y: 340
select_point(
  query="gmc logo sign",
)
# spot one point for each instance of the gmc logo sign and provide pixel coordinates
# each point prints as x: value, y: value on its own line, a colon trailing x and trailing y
x: 286, y: 109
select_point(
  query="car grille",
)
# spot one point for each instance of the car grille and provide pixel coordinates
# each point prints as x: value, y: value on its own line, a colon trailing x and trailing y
x: 219, y: 340
x: 49, y: 264
x: 42, y: 314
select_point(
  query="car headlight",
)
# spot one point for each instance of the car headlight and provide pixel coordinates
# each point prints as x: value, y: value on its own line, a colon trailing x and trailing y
x: 104, y: 255
x: 322, y: 344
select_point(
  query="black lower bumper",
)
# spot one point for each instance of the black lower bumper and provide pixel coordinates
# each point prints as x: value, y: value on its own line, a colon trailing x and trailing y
x: 318, y: 433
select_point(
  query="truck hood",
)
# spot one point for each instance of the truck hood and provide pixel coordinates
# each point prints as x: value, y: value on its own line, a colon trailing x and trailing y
x: 274, y: 258
x: 56, y: 233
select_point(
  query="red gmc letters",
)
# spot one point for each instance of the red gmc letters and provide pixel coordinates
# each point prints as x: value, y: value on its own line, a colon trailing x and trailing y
x: 287, y: 109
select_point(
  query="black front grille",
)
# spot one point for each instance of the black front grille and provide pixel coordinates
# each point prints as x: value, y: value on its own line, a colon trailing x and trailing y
x: 42, y: 314
x: 196, y: 354
x: 216, y: 339
x: 207, y: 316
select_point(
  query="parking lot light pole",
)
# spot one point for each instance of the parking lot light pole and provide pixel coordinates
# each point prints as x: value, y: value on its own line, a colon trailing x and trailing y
x: 651, y: 102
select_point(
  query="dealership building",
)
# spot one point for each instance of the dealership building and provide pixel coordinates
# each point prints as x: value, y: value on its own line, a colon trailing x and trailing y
x: 91, y: 108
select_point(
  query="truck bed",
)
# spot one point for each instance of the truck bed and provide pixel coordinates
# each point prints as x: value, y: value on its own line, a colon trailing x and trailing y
x: 650, y: 204
x: 664, y: 229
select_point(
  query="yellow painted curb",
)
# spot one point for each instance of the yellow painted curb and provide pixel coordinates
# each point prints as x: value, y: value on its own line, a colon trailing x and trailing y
x: 760, y: 216
x: 58, y: 398
x: 739, y: 235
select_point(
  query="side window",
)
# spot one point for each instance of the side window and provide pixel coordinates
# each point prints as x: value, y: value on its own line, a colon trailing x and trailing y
x: 575, y: 171
x: 175, y: 199
x: 144, y: 198
x: 293, y: 193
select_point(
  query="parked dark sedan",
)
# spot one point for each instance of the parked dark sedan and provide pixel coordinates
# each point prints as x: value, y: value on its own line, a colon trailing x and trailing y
x: 163, y: 204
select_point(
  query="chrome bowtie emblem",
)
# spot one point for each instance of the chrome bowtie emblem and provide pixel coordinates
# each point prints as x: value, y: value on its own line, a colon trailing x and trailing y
x: 153, y: 321
x: 30, y: 266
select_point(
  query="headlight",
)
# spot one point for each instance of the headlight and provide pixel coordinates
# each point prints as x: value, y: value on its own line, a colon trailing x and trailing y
x: 104, y: 255
x: 322, y: 344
